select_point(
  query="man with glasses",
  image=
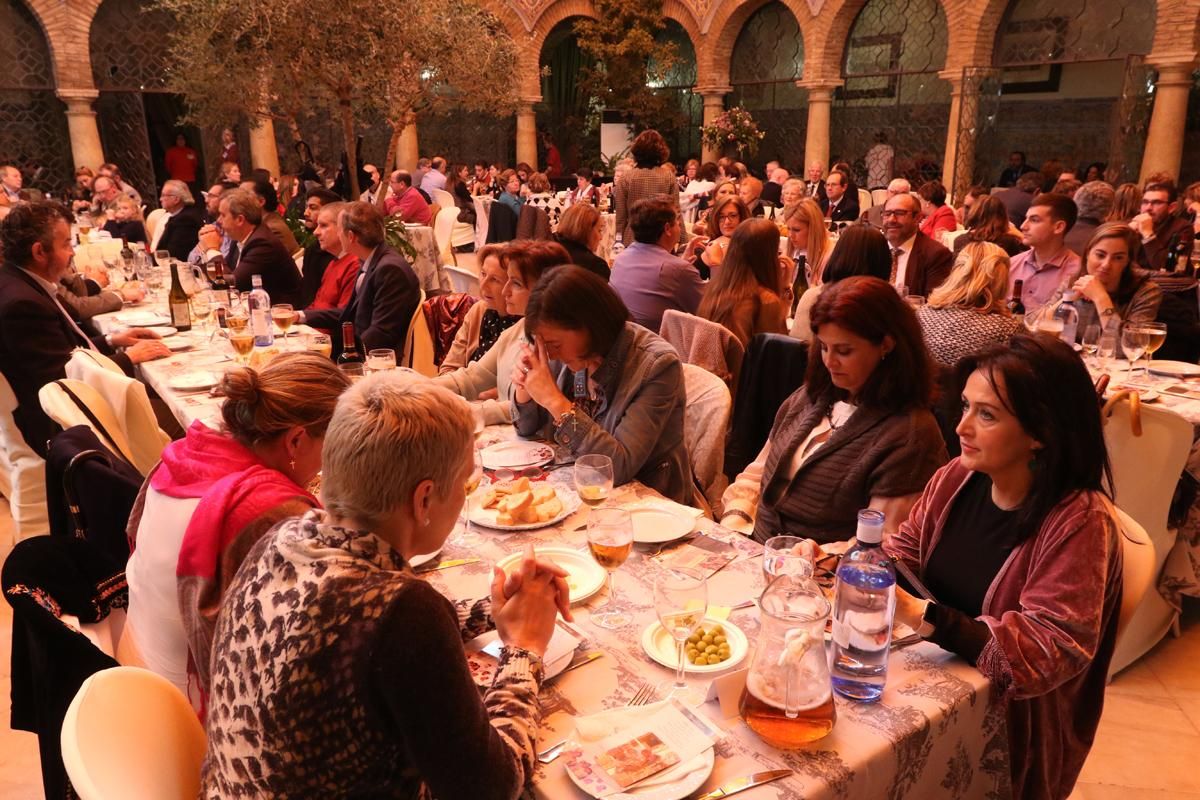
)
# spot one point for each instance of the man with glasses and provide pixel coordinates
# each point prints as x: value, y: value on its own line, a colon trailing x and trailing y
x: 919, y: 264
x: 179, y: 232
x: 1159, y: 226
x: 840, y: 205
x: 874, y: 214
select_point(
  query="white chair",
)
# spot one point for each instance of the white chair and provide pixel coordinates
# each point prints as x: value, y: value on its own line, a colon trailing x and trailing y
x: 995, y: 189
x: 462, y: 280
x: 443, y: 227
x: 418, y: 345
x: 130, y: 734
x: 70, y: 402
x: 443, y: 199
x: 878, y: 197
x: 129, y: 402
x: 1146, y: 467
x: 22, y: 472
x: 153, y: 220
x: 705, y: 426
x: 1138, y: 570
x: 950, y: 237
x: 865, y: 200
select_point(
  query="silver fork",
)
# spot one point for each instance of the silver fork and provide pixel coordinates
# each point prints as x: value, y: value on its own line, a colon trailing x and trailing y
x: 644, y: 695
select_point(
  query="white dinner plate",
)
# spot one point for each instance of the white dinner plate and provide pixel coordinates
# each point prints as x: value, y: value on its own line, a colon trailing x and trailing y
x: 659, y: 525
x: 142, y: 319
x: 417, y: 561
x: 175, y: 343
x: 584, y: 576
x: 487, y: 516
x: 676, y: 783
x: 194, y: 381
x: 1175, y: 369
x: 560, y: 650
x: 163, y: 330
x: 513, y: 455
x: 660, y: 646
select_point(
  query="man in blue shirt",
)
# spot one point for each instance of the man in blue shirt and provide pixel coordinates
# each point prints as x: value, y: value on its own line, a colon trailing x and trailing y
x: 646, y: 274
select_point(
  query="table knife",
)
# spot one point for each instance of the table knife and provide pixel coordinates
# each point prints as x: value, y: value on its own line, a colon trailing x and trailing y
x: 748, y: 782
x: 453, y: 562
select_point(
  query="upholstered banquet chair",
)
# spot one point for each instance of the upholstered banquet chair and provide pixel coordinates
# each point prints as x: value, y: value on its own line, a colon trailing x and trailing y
x: 130, y: 734
x: 22, y: 472
x: 1148, y: 450
x: 70, y: 402
x: 705, y: 426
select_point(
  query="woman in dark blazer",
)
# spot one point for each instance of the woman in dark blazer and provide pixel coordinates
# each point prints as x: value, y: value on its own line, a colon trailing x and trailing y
x: 579, y: 230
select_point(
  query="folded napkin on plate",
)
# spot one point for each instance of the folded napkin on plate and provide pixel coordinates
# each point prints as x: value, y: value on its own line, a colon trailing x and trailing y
x: 595, y: 727
x: 561, y: 645
x: 666, y: 505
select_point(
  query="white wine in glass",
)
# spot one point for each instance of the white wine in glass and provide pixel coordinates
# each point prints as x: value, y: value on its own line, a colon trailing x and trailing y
x: 282, y: 314
x: 610, y: 539
x: 594, y: 478
x: 243, y: 345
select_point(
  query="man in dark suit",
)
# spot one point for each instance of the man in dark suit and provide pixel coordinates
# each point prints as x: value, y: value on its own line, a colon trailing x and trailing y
x: 1015, y: 169
x: 180, y: 231
x: 255, y: 250
x: 386, y: 293
x: 37, y: 332
x: 772, y: 193
x: 840, y: 204
x: 1018, y: 199
x: 919, y: 264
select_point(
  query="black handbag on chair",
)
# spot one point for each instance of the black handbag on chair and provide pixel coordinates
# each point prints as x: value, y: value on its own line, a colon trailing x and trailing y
x: 90, y: 492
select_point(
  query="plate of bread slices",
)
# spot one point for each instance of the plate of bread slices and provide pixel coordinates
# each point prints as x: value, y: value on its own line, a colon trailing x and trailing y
x: 521, y: 505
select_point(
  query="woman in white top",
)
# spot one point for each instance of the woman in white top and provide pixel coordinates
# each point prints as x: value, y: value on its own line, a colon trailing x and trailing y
x: 486, y: 381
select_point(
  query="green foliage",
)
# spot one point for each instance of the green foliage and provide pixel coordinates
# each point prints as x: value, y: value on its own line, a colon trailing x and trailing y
x: 625, y: 62
x: 295, y: 223
x: 397, y: 236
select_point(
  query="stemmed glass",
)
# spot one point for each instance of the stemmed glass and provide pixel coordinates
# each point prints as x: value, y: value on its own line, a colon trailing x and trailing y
x: 1156, y: 335
x: 282, y: 314
x: 610, y: 538
x: 163, y: 258
x: 593, y: 478
x: 202, y: 308
x: 1091, y: 340
x: 1133, y: 342
x: 681, y: 601
x: 469, y: 538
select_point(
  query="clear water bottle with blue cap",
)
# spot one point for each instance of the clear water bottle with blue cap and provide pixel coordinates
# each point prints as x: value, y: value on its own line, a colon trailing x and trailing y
x: 863, y: 607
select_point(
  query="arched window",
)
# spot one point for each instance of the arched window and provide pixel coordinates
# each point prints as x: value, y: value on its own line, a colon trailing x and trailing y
x: 679, y: 81
x: 892, y: 95
x: 768, y: 59
x: 33, y: 128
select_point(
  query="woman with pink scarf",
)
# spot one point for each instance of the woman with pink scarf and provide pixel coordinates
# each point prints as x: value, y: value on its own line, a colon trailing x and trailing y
x: 213, y: 495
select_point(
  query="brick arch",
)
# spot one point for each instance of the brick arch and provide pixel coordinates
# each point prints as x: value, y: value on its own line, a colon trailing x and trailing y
x: 676, y: 10
x: 66, y: 26
x: 1177, y: 29
x: 833, y: 28
x: 727, y: 24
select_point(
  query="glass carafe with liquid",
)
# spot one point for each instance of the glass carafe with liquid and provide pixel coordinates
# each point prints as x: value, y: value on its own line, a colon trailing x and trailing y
x: 788, y: 699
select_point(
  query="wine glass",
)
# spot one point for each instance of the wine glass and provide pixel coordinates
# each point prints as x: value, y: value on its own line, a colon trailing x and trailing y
x: 681, y: 601
x: 593, y: 478
x: 610, y: 538
x: 1156, y: 335
x: 469, y: 538
x: 1133, y: 343
x: 242, y: 342
x: 381, y: 359
x: 1091, y: 340
x: 282, y: 314
x: 201, y: 308
x: 162, y: 258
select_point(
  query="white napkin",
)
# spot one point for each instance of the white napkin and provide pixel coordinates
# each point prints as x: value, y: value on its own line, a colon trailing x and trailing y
x: 595, y: 727
x: 562, y: 644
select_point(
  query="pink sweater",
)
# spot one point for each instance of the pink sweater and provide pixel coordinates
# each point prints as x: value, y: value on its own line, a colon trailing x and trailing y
x: 1052, y: 612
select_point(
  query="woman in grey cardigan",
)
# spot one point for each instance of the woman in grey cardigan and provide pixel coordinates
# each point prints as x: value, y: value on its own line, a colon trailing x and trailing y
x: 597, y: 383
x: 858, y: 434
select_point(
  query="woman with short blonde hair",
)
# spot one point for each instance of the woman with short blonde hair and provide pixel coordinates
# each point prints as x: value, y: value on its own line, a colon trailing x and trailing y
x: 580, y: 231
x: 967, y: 313
x: 361, y: 649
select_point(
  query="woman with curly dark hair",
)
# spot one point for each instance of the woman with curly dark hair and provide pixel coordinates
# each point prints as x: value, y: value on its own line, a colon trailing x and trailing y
x: 647, y: 179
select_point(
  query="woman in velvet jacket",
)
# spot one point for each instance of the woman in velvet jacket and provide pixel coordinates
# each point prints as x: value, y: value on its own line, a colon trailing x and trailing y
x: 1018, y: 542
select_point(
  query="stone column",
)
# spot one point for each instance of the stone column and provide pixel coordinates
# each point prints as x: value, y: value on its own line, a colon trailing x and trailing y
x: 816, y: 140
x: 264, y: 154
x: 1164, y: 140
x: 408, y: 150
x: 527, y: 132
x: 958, y: 163
x: 714, y: 104
x: 82, y: 128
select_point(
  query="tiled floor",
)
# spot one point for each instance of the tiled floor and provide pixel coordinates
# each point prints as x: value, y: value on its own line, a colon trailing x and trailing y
x: 1147, y: 746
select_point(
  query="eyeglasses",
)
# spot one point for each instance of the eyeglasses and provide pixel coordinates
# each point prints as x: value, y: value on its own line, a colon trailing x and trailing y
x: 729, y: 218
x: 896, y: 213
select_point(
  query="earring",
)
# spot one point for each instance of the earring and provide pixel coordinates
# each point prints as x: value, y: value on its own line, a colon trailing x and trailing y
x: 292, y: 464
x: 427, y: 522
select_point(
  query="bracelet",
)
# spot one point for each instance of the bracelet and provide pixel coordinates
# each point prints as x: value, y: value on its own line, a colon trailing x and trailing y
x: 925, y: 629
x: 563, y: 416
x: 737, y: 512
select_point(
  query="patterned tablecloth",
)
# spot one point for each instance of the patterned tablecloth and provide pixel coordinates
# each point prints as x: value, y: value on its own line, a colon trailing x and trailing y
x: 934, y: 733
x: 1181, y: 571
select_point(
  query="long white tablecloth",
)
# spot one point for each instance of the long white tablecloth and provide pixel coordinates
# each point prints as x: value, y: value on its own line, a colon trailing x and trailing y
x: 935, y: 733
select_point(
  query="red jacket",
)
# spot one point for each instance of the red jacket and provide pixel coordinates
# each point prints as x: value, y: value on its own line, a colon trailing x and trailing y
x: 942, y: 219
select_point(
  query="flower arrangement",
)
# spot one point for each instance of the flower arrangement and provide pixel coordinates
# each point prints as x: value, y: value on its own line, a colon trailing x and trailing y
x: 733, y: 128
